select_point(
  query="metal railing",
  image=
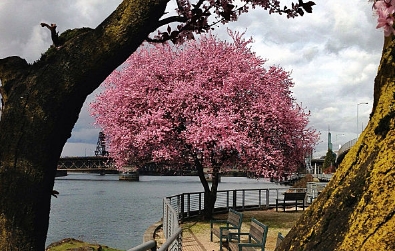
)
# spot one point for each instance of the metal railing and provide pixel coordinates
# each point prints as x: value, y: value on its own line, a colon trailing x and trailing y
x: 171, y: 227
x: 149, y: 245
x: 314, y: 189
x: 192, y: 204
x: 171, y: 230
x: 174, y: 242
x: 186, y: 205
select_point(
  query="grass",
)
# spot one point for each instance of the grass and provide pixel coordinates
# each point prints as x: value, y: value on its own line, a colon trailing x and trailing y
x: 277, y: 222
x: 76, y: 245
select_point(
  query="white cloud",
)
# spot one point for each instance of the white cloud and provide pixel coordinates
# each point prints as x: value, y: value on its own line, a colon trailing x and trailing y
x: 333, y: 54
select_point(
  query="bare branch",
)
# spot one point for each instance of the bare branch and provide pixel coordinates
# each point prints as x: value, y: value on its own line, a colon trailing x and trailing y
x: 54, y: 34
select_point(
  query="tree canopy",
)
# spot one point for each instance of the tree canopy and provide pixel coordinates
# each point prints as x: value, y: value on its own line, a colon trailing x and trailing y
x: 203, y: 15
x: 206, y: 100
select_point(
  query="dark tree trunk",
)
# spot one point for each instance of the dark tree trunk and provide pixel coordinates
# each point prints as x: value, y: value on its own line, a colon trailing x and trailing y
x: 210, y: 195
x: 41, y: 103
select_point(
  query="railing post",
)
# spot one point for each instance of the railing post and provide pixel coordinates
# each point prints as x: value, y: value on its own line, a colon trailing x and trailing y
x: 260, y: 198
x: 165, y: 218
x: 200, y: 203
x: 227, y: 200
x: 243, y: 198
x: 188, y: 204
x: 267, y: 198
x: 234, y: 199
x: 182, y: 207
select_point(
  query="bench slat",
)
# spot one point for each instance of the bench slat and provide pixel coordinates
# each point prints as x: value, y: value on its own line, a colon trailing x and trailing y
x: 232, y: 224
x: 256, y: 231
x: 257, y: 237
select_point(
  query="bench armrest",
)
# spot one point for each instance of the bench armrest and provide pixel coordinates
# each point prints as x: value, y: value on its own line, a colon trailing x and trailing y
x: 227, y: 228
x: 239, y: 234
x: 217, y: 222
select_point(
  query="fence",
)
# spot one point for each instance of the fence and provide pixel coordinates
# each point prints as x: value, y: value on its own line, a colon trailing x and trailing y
x: 314, y: 189
x: 171, y: 228
x: 192, y: 204
x: 186, y: 205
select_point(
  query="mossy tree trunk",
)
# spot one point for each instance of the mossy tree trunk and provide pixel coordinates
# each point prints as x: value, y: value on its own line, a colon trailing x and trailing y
x: 356, y: 210
x: 41, y: 103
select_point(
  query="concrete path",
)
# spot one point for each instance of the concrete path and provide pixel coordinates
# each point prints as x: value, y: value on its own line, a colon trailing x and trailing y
x: 190, y: 242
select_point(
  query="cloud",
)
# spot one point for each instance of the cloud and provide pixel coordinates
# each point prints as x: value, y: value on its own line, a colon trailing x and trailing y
x: 333, y: 55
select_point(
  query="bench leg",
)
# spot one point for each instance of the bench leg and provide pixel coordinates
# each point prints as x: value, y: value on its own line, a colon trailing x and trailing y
x: 220, y: 241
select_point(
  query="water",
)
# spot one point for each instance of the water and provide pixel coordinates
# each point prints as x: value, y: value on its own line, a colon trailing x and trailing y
x: 102, y: 209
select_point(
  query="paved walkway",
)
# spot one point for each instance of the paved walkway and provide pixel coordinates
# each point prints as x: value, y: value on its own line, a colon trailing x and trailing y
x: 190, y: 242
x: 198, y: 239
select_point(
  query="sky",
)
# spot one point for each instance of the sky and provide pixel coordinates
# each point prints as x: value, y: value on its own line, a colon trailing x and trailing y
x: 332, y: 54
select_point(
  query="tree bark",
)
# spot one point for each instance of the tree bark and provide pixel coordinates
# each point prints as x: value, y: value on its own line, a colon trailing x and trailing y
x: 356, y: 210
x: 41, y: 103
x: 210, y: 195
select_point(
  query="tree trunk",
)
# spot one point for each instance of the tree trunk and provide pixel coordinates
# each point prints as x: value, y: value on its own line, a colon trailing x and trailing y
x: 41, y: 103
x: 356, y: 211
x: 210, y: 195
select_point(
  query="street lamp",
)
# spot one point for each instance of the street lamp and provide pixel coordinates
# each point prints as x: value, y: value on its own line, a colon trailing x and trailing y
x: 357, y: 117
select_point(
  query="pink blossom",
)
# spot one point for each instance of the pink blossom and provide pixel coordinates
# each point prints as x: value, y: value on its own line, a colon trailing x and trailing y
x: 209, y: 98
x: 385, y: 11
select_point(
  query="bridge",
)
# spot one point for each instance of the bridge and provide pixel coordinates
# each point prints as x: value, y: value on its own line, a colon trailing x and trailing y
x: 100, y: 163
x: 91, y: 164
x: 344, y: 149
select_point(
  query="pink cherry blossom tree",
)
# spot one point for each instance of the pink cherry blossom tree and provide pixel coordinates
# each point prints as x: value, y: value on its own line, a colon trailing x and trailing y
x: 207, y: 103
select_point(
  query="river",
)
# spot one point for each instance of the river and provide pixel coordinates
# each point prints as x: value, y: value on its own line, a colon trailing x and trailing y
x: 102, y: 209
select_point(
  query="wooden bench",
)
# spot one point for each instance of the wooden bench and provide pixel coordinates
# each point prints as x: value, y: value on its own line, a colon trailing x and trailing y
x: 222, y: 228
x: 256, y: 238
x: 280, y: 239
x: 291, y: 199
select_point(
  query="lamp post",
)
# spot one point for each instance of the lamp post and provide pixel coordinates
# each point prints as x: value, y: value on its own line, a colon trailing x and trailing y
x: 364, y: 103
